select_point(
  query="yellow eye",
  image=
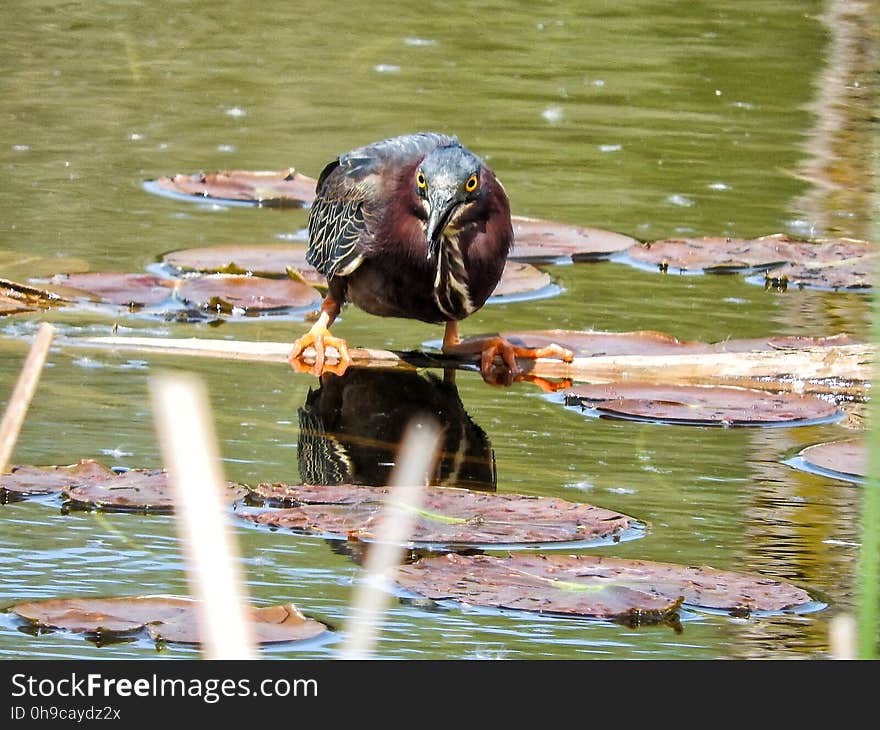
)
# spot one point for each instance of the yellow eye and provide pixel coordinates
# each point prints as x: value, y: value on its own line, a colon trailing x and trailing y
x: 420, y: 181
x: 471, y: 184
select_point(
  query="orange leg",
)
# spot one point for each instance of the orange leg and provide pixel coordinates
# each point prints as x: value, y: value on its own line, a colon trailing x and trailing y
x: 510, y: 371
x: 319, y: 338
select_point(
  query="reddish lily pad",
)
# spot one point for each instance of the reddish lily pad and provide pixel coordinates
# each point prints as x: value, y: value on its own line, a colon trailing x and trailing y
x: 141, y: 490
x: 592, y: 344
x: 595, y: 587
x: 250, y: 294
x: 834, y: 264
x: 648, y: 342
x: 793, y: 342
x: 852, y: 274
x: 716, y: 254
x: 28, y: 480
x: 541, y: 241
x: 448, y: 516
x: 824, y: 264
x: 284, y: 188
x: 846, y: 459
x: 518, y: 279
x: 271, y: 260
x: 700, y: 405
x: 299, y: 494
x: 127, y: 290
x: 164, y: 618
x: 833, y: 251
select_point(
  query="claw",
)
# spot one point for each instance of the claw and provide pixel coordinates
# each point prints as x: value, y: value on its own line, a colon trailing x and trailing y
x: 508, y: 372
x: 511, y: 372
x: 510, y: 352
x: 319, y: 338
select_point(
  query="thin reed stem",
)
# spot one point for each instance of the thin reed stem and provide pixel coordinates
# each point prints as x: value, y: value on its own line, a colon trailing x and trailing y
x: 189, y: 450
x: 20, y: 401
x: 416, y: 461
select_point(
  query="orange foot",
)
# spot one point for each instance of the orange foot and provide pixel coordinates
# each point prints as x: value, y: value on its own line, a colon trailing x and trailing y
x: 319, y: 338
x: 510, y: 372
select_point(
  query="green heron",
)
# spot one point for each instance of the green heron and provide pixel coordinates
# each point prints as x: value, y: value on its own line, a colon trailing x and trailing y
x: 415, y: 226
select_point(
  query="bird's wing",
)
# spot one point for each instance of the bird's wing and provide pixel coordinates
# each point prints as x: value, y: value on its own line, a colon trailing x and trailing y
x: 336, y: 223
x: 349, y: 195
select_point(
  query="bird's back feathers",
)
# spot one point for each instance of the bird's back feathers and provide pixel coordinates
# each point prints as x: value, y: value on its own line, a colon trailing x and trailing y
x: 349, y: 193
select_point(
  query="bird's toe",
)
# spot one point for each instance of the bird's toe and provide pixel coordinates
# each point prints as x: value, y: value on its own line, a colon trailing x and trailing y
x: 309, y: 354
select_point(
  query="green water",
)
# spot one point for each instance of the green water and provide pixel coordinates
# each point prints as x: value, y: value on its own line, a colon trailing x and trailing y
x: 652, y: 119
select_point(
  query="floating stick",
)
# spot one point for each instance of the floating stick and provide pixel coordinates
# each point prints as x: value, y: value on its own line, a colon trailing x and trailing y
x: 416, y: 461
x: 18, y: 405
x: 831, y: 369
x: 189, y: 450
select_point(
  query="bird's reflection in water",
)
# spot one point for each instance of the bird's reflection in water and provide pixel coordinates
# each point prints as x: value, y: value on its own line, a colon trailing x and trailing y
x: 350, y: 429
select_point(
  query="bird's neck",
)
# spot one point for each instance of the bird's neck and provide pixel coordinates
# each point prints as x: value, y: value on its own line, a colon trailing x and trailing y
x: 451, y: 290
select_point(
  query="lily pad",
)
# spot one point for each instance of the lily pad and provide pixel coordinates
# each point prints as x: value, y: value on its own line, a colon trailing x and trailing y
x: 249, y: 294
x: 447, y: 517
x: 649, y: 342
x: 833, y: 251
x: 700, y: 405
x: 519, y: 279
x: 277, y: 494
x: 140, y: 490
x: 853, y: 274
x: 26, y: 480
x: 846, y: 460
x: 164, y: 618
x: 715, y: 254
x: 793, y: 342
x: 592, y: 344
x: 781, y: 260
x: 832, y: 264
x: 541, y: 241
x: 595, y: 587
x: 284, y: 188
x: 127, y: 290
x: 271, y: 260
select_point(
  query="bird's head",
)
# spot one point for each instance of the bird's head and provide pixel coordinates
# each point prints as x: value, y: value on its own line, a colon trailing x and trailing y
x: 448, y: 181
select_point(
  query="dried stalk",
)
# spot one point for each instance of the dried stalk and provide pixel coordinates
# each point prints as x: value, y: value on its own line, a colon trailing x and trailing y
x: 189, y: 450
x: 17, y: 408
x: 416, y: 460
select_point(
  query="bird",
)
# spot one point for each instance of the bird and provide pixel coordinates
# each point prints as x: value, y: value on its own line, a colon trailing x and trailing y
x: 415, y: 226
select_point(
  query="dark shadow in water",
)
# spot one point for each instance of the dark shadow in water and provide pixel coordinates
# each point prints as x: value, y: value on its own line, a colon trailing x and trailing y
x: 350, y: 429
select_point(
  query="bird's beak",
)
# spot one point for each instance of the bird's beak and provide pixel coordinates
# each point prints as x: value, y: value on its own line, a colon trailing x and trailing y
x: 442, y: 205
